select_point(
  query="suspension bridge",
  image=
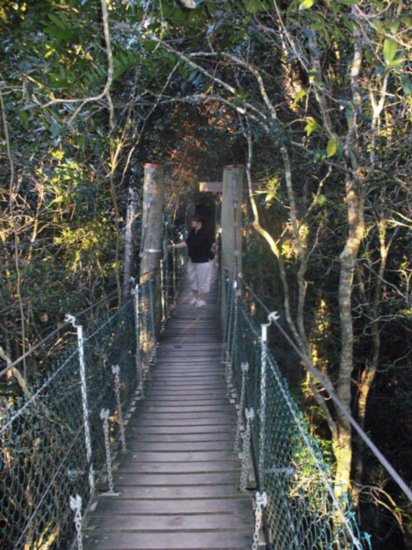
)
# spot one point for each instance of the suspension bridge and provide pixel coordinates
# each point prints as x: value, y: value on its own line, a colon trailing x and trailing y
x: 166, y: 426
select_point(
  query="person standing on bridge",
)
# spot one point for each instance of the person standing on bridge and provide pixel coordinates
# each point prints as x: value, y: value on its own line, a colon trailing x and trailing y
x: 199, y: 243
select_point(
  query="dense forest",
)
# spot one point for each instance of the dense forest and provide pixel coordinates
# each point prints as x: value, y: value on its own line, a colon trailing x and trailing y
x: 314, y: 97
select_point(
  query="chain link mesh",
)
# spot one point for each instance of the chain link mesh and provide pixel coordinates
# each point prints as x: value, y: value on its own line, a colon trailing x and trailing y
x: 43, y: 451
x: 43, y: 448
x: 301, y: 511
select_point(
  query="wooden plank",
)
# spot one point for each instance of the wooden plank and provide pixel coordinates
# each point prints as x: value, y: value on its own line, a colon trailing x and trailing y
x: 173, y: 395
x: 172, y: 506
x: 199, y: 354
x: 189, y: 346
x: 183, y: 456
x: 179, y: 467
x: 174, y: 447
x: 182, y: 437
x: 185, y: 429
x: 166, y: 541
x: 170, y: 523
x: 186, y: 390
x: 191, y: 409
x: 187, y: 355
x: 207, y: 415
x: 176, y: 493
x: 176, y: 404
x: 219, y: 420
x: 187, y: 364
x: 188, y: 387
x: 171, y: 399
x: 188, y: 367
x: 180, y: 480
x: 189, y: 377
x: 182, y: 393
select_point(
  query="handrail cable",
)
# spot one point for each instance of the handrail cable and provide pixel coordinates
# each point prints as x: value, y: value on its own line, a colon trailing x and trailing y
x: 32, y: 398
x: 329, y: 390
x: 253, y: 446
x: 49, y: 485
x: 51, y: 334
x: 303, y: 434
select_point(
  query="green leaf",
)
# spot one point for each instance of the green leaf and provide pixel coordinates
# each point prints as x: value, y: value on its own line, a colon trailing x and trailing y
x: 59, y: 21
x: 306, y: 4
x: 252, y: 6
x: 394, y: 26
x: 331, y: 147
x: 322, y: 200
x: 301, y: 94
x: 390, y: 48
x: 24, y: 118
x: 311, y: 125
x: 395, y: 63
x: 406, y: 85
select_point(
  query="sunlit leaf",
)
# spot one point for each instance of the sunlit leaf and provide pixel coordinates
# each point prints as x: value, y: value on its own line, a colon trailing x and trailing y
x: 306, y: 4
x: 311, y: 125
x: 390, y: 48
x: 395, y: 63
x: 331, y: 147
x: 301, y: 94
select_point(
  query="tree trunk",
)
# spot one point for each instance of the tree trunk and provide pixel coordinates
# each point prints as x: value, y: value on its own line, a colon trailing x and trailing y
x: 343, y: 441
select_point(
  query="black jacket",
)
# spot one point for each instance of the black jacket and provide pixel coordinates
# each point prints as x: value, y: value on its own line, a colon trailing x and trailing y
x: 199, y: 244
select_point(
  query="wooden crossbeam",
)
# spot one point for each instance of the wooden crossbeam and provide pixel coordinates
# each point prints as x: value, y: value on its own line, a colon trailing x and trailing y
x: 217, y: 186
x: 211, y: 187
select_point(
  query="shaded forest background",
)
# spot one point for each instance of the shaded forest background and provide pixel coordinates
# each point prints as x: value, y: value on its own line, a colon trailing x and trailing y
x: 314, y: 98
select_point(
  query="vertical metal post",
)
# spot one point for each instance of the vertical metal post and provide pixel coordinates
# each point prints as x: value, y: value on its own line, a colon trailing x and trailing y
x: 250, y: 415
x: 244, y: 367
x: 116, y: 374
x: 163, y: 296
x: 174, y: 270
x: 104, y: 415
x: 76, y: 506
x: 85, y: 407
x: 152, y: 312
x: 234, y: 346
x: 273, y: 316
x: 231, y: 310
x: 166, y: 270
x: 138, y: 355
x: 262, y: 409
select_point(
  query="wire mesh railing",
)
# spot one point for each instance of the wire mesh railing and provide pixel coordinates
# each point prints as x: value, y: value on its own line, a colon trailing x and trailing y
x: 57, y: 441
x: 295, y: 503
x: 51, y: 437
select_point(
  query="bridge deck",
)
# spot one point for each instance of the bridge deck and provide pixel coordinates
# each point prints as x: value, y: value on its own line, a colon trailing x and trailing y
x: 179, y: 482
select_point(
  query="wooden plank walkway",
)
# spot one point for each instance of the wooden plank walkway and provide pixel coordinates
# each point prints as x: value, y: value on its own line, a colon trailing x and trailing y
x: 179, y: 482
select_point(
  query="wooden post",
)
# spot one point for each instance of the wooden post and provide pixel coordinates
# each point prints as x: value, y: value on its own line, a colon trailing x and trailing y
x: 152, y: 231
x: 231, y: 257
